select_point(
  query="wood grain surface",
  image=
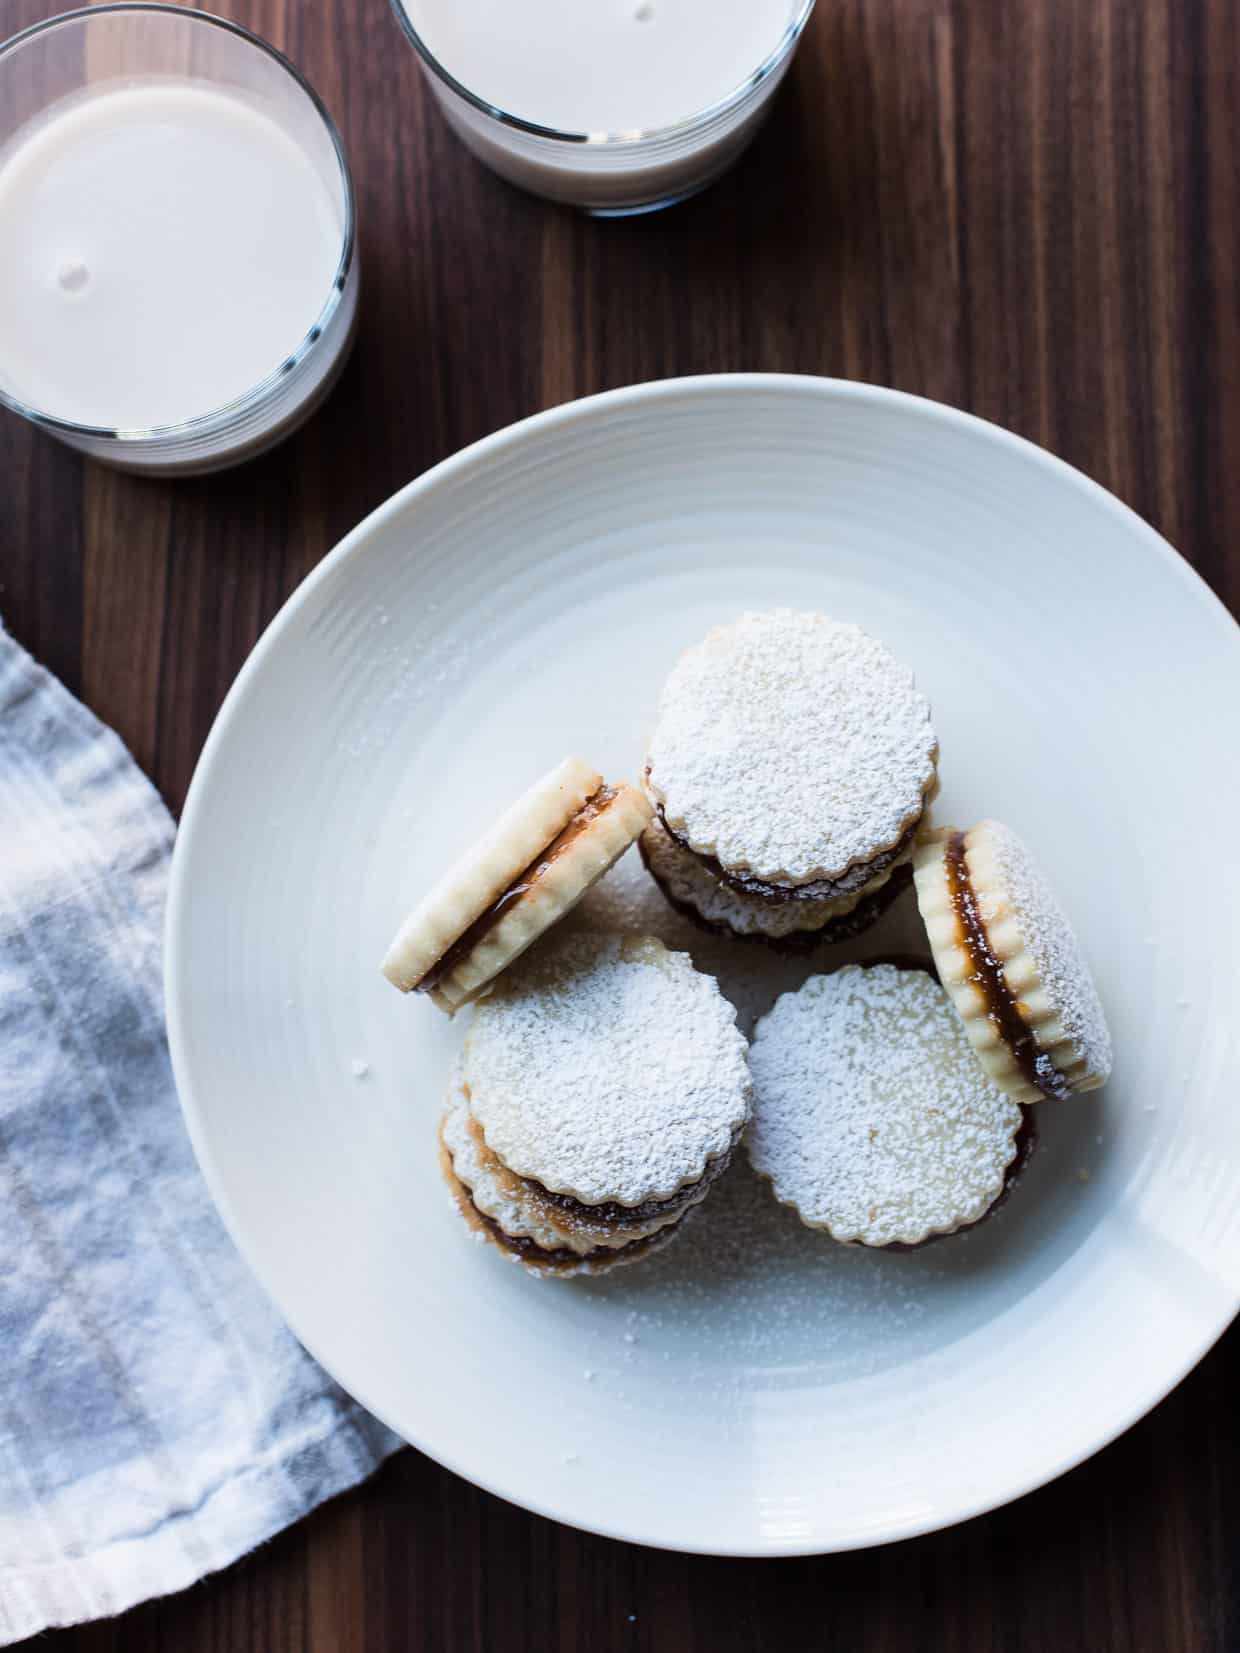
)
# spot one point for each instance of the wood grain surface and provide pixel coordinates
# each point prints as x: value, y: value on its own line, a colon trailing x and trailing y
x: 1028, y: 208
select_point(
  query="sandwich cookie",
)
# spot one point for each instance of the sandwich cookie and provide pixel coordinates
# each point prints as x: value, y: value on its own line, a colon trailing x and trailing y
x: 605, y: 1087
x: 793, y: 755
x: 497, y: 1207
x: 872, y: 1117
x: 1008, y: 957
x: 537, y: 861
x: 789, y: 926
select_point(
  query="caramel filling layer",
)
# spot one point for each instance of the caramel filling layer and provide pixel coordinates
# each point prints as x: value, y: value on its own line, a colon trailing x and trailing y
x: 612, y: 1217
x: 624, y: 1216
x: 986, y: 973
x: 535, y: 1198
x: 486, y: 921
x: 855, y: 878
x: 868, y: 911
x: 521, y: 1245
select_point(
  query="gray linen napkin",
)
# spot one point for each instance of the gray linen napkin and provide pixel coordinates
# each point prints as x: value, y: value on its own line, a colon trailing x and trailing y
x: 156, y: 1418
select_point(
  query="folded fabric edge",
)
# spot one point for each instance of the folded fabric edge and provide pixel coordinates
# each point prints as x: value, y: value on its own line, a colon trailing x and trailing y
x: 243, y: 1512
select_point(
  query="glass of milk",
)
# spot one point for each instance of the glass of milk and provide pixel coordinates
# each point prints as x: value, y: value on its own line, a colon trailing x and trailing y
x: 615, y: 106
x: 178, y: 274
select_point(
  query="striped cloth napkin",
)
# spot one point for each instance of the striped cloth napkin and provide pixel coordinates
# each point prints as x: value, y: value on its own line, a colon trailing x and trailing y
x: 156, y: 1418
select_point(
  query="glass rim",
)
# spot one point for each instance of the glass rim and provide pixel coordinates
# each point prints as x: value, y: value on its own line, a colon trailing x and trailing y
x: 205, y: 423
x: 599, y: 140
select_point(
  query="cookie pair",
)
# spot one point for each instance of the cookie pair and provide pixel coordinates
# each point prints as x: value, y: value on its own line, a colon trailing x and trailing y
x: 603, y: 1088
x: 887, y: 1107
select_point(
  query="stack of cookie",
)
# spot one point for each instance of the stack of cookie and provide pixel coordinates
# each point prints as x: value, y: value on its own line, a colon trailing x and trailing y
x: 604, y: 1084
x: 603, y: 1089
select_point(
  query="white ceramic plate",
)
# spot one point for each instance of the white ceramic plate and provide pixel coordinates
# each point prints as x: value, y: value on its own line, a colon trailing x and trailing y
x: 756, y: 1389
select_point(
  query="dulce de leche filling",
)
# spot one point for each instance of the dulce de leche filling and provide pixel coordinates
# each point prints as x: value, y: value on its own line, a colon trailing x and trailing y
x: 521, y: 1246
x: 615, y: 1219
x: 986, y: 973
x: 619, y: 1217
x: 869, y: 909
x: 525, y: 881
x: 849, y: 882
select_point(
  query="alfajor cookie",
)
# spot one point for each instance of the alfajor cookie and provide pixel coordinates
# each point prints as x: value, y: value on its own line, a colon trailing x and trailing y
x: 610, y: 1076
x: 536, y: 862
x: 503, y: 1210
x: 1008, y: 956
x: 793, y: 755
x: 871, y: 1116
x: 790, y: 925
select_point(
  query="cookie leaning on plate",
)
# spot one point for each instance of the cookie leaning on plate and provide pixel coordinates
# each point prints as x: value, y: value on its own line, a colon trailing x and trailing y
x: 872, y: 1117
x: 536, y: 862
x: 1008, y: 956
x: 605, y: 1086
x: 793, y: 756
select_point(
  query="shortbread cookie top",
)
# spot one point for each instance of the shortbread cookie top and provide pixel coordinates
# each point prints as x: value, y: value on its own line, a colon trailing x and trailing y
x: 791, y: 747
x: 1008, y: 956
x: 872, y: 1118
x: 486, y: 869
x: 607, y: 1068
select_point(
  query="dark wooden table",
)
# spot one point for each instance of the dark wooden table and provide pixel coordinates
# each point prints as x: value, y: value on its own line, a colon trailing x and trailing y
x: 1029, y: 208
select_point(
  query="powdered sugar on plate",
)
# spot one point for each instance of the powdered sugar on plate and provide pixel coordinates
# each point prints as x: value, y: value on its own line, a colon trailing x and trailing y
x: 791, y: 747
x: 607, y: 1068
x: 872, y: 1117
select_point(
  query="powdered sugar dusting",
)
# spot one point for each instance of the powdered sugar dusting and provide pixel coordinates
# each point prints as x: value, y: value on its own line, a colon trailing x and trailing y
x: 1050, y: 941
x: 871, y: 1114
x: 749, y: 1295
x: 791, y: 746
x: 608, y: 1068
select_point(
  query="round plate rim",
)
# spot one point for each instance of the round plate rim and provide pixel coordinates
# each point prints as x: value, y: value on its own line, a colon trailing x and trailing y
x: 478, y: 453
